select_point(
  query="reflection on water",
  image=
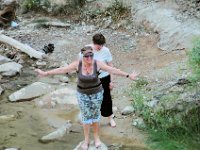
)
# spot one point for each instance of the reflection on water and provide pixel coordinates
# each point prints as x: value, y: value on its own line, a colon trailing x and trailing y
x: 124, y: 147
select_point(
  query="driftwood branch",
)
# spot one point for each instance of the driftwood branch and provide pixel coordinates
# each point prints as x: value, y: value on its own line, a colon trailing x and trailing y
x: 24, y: 48
x: 55, y: 24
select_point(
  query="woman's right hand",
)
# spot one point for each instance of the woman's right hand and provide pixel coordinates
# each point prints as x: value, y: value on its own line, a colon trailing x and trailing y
x: 41, y: 73
x: 133, y: 75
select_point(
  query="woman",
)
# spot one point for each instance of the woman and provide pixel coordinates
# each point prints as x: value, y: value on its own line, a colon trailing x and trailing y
x: 102, y: 53
x: 89, y: 90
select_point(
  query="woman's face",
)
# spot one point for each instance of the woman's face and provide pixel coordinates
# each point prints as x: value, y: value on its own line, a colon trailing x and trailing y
x: 98, y: 47
x: 88, y: 57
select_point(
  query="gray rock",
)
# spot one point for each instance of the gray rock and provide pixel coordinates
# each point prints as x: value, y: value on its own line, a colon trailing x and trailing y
x: 1, y: 90
x: 10, y: 73
x: 64, y: 96
x: 152, y: 103
x: 139, y: 122
x: 114, y: 108
x: 41, y: 63
x: 6, y: 118
x: 60, y: 97
x: 128, y: 110
x: 31, y: 91
x: 57, y: 134
x: 64, y: 79
x: 4, y: 60
x: 10, y: 66
x: 174, y: 34
x: 107, y: 22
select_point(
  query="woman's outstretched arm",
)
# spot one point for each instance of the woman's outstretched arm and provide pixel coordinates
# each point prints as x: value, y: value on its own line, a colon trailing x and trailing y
x: 62, y: 70
x: 116, y: 71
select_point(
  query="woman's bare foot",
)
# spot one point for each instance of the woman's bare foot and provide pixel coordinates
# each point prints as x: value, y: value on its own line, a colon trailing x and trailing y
x: 85, y: 146
x: 97, y: 143
x: 112, y: 121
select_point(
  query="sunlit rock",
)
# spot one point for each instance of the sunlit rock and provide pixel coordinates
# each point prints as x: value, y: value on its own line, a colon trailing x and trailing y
x: 128, y: 110
x: 6, y: 118
x: 31, y: 91
x: 10, y: 67
x: 60, y: 97
x: 59, y: 133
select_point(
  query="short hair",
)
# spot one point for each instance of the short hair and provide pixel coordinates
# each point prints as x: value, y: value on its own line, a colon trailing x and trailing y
x: 99, y: 39
x: 86, y: 48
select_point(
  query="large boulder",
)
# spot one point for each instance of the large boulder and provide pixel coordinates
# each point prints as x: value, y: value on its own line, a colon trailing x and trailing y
x: 31, y: 91
x: 60, y: 96
x: 174, y: 34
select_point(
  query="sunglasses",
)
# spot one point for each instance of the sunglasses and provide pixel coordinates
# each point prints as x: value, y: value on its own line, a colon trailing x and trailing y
x: 87, y: 55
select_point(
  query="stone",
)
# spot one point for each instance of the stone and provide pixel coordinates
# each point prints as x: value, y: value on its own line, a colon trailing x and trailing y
x: 91, y: 146
x: 41, y: 63
x: 64, y: 79
x: 128, y: 110
x: 4, y: 60
x: 6, y: 118
x: 10, y: 66
x: 59, y: 133
x: 31, y: 91
x: 1, y: 90
x: 139, y: 122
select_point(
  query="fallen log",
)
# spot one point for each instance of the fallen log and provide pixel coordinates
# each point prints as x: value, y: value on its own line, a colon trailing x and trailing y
x: 24, y: 48
x: 54, y: 24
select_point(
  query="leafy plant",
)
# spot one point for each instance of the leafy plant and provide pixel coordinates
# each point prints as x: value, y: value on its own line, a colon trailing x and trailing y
x: 137, y: 93
x: 31, y: 4
x: 169, y: 129
x: 79, y: 3
x: 194, y: 60
x: 118, y: 10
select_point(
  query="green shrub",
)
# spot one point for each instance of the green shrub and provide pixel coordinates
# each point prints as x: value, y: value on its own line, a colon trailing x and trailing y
x: 169, y: 129
x: 31, y: 4
x: 194, y: 60
x: 79, y: 3
x: 137, y: 93
x: 118, y: 10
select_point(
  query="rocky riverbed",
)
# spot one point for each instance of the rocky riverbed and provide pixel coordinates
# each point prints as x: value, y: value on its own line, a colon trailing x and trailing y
x: 33, y: 117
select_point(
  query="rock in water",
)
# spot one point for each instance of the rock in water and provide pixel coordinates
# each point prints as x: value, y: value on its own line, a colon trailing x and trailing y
x: 91, y: 146
x: 7, y: 118
x: 60, y: 132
